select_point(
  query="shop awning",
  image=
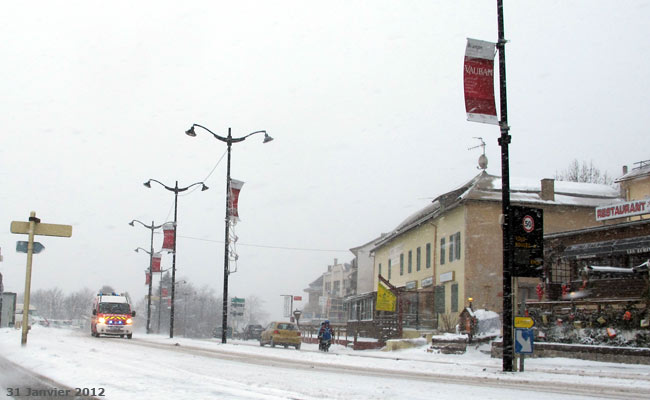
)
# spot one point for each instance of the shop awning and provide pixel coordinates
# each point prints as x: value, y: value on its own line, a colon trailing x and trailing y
x: 636, y: 245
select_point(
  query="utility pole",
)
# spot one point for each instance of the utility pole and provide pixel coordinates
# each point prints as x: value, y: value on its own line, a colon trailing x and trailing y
x: 504, y: 140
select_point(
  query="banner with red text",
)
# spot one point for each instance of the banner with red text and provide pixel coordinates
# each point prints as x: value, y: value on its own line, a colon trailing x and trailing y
x: 147, y: 278
x: 478, y: 81
x: 168, y: 241
x: 235, y: 188
x: 155, y: 262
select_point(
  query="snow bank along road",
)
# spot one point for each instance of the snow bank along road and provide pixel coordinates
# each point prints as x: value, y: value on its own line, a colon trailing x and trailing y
x: 155, y: 367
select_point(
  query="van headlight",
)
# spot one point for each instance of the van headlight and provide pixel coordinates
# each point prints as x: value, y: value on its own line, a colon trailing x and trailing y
x: 101, y: 320
x: 129, y: 321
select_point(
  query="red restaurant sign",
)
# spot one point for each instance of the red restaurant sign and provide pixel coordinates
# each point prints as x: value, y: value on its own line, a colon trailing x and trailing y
x: 478, y: 80
x: 623, y: 210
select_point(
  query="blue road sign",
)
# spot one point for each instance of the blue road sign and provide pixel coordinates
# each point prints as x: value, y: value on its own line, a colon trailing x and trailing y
x: 524, y: 341
x: 21, y: 247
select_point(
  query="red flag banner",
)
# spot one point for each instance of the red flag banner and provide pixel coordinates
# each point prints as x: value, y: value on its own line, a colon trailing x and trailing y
x: 168, y: 241
x: 235, y: 188
x: 147, y: 278
x: 478, y: 79
x: 165, y: 292
x: 155, y: 262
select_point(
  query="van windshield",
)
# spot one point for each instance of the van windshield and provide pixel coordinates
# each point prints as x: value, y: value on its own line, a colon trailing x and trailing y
x: 114, y: 308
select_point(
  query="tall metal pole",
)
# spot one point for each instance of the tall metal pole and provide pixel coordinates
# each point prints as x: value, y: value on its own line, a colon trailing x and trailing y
x: 152, y: 227
x: 160, y: 300
x: 226, y: 259
x: 504, y: 140
x: 171, y: 317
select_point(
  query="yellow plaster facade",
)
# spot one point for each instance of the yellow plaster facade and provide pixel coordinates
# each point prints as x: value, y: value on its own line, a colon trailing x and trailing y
x: 477, y: 270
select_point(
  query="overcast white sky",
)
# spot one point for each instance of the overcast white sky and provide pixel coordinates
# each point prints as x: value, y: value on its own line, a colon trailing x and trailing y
x: 364, y: 100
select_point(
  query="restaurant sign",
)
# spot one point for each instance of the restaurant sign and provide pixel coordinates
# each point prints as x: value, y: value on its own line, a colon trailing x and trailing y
x: 622, y: 210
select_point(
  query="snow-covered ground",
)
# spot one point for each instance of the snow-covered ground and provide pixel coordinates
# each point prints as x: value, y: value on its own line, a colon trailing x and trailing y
x: 156, y: 367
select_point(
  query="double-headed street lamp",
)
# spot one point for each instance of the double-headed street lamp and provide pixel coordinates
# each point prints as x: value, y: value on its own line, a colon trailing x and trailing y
x: 151, y: 227
x: 229, y: 140
x: 176, y: 191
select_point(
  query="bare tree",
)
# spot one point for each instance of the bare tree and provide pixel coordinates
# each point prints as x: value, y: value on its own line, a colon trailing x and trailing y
x: 77, y: 305
x: 583, y: 172
x: 106, y: 289
x: 53, y: 304
x: 49, y: 303
x: 254, y: 312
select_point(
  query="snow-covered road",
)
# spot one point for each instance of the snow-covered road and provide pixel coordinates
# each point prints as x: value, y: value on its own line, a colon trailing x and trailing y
x: 156, y: 367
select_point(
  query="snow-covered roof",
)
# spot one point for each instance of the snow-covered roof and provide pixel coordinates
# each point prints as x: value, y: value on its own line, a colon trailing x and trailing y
x: 642, y: 170
x: 486, y: 187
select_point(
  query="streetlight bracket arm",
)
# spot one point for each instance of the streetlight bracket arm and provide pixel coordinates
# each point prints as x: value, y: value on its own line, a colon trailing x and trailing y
x: 223, y: 139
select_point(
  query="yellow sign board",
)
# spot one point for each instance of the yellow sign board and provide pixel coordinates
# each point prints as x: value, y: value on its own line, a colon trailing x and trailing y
x: 385, y: 299
x: 524, y: 322
x: 42, y: 229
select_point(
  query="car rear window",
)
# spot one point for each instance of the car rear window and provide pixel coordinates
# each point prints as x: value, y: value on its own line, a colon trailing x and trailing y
x: 287, y: 327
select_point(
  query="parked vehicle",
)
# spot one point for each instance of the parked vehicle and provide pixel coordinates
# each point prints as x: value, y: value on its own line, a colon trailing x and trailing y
x: 253, y: 331
x: 281, y: 333
x: 112, y: 316
x: 218, y: 332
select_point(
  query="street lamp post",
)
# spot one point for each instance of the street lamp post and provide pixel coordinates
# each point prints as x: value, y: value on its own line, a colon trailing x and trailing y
x: 160, y: 298
x: 151, y: 227
x: 176, y: 190
x: 229, y: 140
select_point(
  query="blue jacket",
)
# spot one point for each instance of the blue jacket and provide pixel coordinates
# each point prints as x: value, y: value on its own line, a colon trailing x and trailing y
x: 325, y: 332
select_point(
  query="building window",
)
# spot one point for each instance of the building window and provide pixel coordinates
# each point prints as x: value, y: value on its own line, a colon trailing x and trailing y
x: 410, y: 266
x: 389, y: 268
x: 366, y: 309
x: 442, y: 251
x: 401, y: 264
x: 379, y: 268
x: 451, y: 248
x: 337, y: 288
x: 428, y: 255
x: 353, y: 311
x: 418, y: 258
x: 439, y: 299
x: 454, y: 297
x: 454, y: 247
x: 328, y: 287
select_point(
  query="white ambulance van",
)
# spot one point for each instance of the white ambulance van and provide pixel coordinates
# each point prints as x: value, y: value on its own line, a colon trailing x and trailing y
x: 112, y: 316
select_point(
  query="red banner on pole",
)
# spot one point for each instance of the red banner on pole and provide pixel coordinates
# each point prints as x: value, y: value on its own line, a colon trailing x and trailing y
x: 478, y: 80
x: 147, y: 278
x: 168, y: 241
x: 165, y: 292
x: 235, y: 188
x: 155, y: 262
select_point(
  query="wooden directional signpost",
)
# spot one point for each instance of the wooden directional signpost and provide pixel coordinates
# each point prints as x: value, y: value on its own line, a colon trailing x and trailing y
x: 31, y: 228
